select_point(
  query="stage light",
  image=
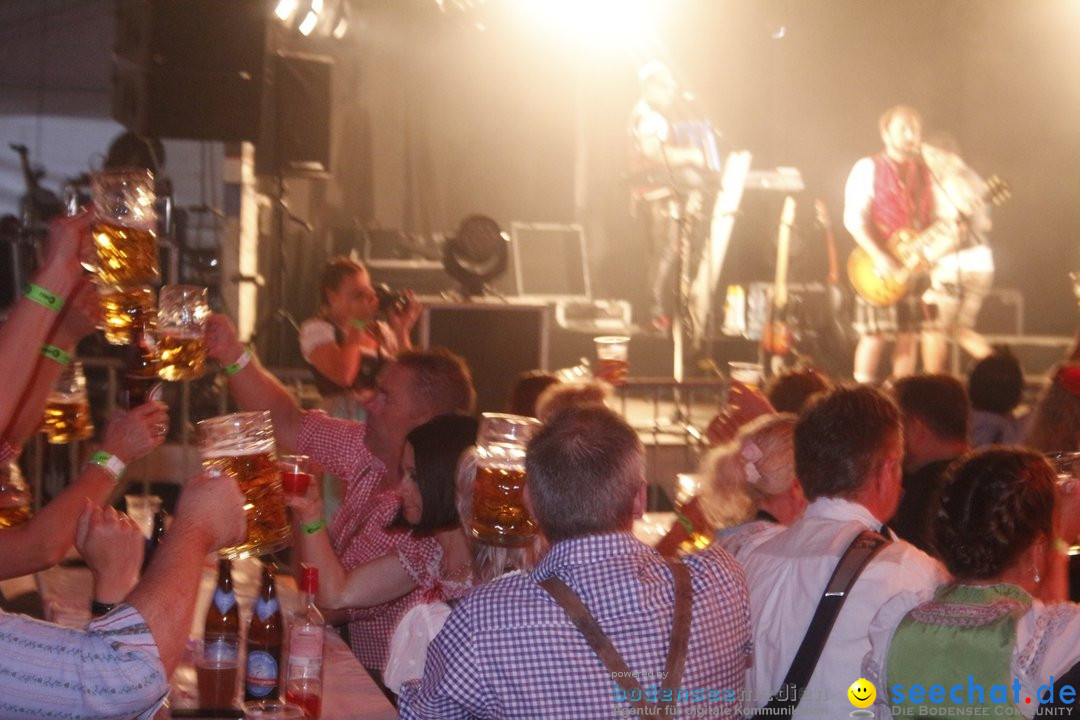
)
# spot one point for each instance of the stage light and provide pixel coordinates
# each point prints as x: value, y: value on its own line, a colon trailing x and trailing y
x: 596, y: 25
x: 311, y: 19
x: 477, y: 254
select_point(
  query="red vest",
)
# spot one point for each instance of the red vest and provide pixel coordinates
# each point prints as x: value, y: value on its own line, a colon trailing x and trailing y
x: 902, y: 196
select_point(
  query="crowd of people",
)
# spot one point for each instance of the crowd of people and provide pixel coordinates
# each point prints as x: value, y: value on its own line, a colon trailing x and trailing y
x: 911, y: 536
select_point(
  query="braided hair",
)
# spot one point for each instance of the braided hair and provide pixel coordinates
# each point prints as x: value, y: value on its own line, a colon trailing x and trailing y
x: 995, y: 503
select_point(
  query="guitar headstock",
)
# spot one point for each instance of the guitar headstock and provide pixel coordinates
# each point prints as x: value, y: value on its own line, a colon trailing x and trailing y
x: 997, y: 190
x: 821, y: 213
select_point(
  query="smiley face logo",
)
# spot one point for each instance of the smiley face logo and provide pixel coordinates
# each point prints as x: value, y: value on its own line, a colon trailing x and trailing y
x: 862, y: 693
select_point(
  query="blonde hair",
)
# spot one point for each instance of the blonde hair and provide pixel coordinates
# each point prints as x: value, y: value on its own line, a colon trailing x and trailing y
x: 758, y: 463
x: 573, y: 394
x: 488, y: 561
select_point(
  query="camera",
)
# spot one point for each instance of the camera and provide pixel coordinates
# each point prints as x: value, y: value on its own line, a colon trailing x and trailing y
x: 390, y: 300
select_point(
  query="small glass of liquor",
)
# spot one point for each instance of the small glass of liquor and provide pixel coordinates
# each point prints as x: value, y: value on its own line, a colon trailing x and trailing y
x: 612, y: 358
x: 14, y: 496
x: 181, y: 332
x: 67, y: 409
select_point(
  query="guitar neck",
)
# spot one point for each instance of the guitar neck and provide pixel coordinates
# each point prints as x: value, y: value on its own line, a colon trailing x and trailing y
x: 783, y: 244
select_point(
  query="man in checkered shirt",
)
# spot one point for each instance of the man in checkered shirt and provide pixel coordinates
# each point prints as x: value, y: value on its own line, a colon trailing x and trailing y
x: 365, y: 455
x: 509, y: 650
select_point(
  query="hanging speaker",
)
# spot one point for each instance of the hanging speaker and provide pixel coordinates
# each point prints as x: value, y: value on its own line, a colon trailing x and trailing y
x: 295, y: 135
x: 190, y: 68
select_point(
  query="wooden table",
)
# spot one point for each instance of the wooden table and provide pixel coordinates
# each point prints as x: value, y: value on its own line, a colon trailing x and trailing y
x: 349, y: 693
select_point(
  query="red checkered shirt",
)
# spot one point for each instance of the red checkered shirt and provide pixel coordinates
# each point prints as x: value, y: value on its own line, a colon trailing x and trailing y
x: 360, y: 530
x: 8, y: 452
x: 508, y: 650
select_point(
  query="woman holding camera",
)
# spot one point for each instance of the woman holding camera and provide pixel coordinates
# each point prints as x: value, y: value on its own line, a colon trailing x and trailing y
x: 345, y: 343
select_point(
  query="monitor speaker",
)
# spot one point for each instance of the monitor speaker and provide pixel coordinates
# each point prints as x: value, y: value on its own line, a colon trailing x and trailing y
x: 190, y: 68
x: 295, y: 136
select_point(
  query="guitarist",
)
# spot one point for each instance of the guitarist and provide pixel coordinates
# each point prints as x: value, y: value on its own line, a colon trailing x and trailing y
x: 887, y: 192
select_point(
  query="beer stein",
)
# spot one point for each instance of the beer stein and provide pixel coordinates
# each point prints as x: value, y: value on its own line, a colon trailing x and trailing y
x: 499, y: 514
x: 67, y: 408
x: 241, y: 445
x: 122, y: 309
x: 125, y: 238
x: 181, y: 331
x: 14, y: 496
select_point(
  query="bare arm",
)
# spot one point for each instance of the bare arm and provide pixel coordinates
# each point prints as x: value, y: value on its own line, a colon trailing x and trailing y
x: 373, y: 583
x: 402, y: 320
x: 340, y: 363
x: 42, y: 541
x: 209, y: 516
x: 858, y: 196
x: 254, y: 388
x: 31, y: 324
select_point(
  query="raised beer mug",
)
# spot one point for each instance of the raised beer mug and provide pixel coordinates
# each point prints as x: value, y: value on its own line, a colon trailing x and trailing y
x: 499, y: 514
x: 241, y: 445
x: 181, y: 332
x: 67, y: 408
x: 126, y: 237
x: 124, y: 309
x: 15, y: 499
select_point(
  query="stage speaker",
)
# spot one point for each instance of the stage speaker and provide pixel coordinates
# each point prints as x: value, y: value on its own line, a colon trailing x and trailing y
x: 190, y: 68
x: 497, y: 340
x: 295, y: 135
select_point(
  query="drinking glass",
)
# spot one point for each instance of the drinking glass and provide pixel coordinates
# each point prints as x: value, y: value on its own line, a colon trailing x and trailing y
x: 499, y: 513
x: 296, y: 473
x: 125, y: 238
x: 67, y: 408
x: 122, y: 309
x: 612, y: 355
x: 15, y: 499
x: 241, y: 445
x: 181, y: 332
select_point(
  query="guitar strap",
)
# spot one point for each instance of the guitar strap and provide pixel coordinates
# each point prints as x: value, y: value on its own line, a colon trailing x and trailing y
x: 601, y: 645
x: 862, y: 549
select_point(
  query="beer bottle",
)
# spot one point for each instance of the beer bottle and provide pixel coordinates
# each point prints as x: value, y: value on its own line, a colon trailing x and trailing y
x: 223, y: 616
x: 141, y: 382
x: 303, y: 677
x: 262, y: 678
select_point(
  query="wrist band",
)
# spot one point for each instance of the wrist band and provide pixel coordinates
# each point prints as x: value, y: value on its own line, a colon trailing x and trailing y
x: 687, y: 524
x: 313, y: 527
x: 239, y: 364
x: 56, y: 354
x: 109, y: 463
x: 97, y: 609
x: 43, y: 297
x: 358, y: 323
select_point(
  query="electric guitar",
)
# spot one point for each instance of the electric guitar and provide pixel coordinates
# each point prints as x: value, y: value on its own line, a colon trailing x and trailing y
x: 914, y: 251
x: 776, y: 340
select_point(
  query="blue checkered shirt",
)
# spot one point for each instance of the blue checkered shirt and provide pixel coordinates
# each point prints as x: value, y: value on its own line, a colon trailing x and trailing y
x: 509, y: 650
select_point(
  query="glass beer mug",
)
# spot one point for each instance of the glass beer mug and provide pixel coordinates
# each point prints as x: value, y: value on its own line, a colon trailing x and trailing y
x: 123, y: 310
x: 181, y: 332
x: 126, y: 237
x: 241, y: 445
x: 499, y: 514
x: 67, y: 408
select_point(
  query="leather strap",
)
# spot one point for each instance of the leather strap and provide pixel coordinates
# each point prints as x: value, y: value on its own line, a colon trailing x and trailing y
x: 862, y: 549
x: 601, y: 645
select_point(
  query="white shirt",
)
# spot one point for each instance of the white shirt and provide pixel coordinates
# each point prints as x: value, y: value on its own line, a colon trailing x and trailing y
x: 787, y: 575
x: 1047, y: 644
x: 409, y: 644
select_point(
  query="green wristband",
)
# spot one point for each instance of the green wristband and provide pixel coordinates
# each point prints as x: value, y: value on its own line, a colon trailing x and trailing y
x: 687, y: 524
x: 313, y: 527
x: 109, y: 463
x: 240, y: 364
x: 43, y: 297
x: 358, y: 323
x: 56, y: 354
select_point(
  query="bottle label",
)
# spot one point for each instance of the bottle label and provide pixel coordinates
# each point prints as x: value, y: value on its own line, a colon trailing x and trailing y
x: 306, y: 646
x: 224, y: 601
x: 222, y: 649
x: 265, y: 608
x: 262, y: 673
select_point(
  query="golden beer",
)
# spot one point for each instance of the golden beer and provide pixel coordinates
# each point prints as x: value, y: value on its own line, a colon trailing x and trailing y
x: 66, y: 419
x: 124, y: 309
x: 181, y: 355
x: 126, y: 256
x: 499, y: 515
x: 258, y: 477
x: 611, y: 371
x: 14, y: 515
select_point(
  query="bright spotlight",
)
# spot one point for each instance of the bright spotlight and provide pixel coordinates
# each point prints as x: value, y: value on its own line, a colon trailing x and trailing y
x: 285, y: 9
x: 596, y: 25
x: 308, y: 23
